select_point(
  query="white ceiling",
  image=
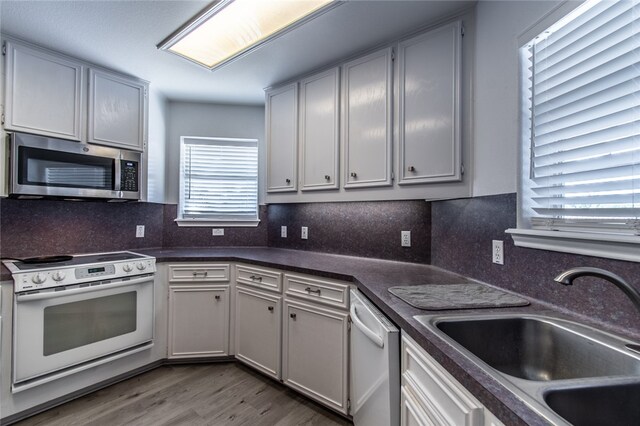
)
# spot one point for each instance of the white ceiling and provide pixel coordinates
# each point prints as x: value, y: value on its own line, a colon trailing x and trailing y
x: 122, y: 35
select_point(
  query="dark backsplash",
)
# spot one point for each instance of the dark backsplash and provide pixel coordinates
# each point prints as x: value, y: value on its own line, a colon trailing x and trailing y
x: 369, y: 229
x: 176, y: 236
x: 462, y: 231
x: 48, y: 227
x: 454, y: 235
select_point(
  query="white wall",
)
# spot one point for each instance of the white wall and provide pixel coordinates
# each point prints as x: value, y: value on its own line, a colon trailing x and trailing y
x: 156, y: 148
x: 496, y: 134
x: 210, y: 120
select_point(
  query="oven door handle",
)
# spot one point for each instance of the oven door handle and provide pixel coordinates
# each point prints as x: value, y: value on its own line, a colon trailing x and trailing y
x: 54, y: 294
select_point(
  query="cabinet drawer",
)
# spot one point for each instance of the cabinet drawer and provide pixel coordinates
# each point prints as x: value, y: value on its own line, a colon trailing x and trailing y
x: 205, y: 272
x: 266, y: 279
x: 439, y: 393
x: 328, y: 292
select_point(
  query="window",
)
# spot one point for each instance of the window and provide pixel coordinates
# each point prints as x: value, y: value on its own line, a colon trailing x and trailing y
x: 581, y: 127
x: 218, y: 182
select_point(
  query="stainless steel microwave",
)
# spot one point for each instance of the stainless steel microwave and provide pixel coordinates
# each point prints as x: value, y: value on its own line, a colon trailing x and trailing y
x: 47, y: 167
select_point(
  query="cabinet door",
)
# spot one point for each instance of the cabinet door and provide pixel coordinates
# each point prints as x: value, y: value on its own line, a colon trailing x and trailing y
x: 282, y: 139
x: 429, y: 106
x: 366, y: 121
x: 315, y: 362
x: 319, y: 132
x: 198, y: 321
x: 117, y: 110
x: 258, y: 320
x: 43, y: 92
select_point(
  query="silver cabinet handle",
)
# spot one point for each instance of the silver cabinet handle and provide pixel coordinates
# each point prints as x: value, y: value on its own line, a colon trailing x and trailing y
x: 254, y: 278
x: 310, y: 290
x: 270, y: 308
x: 203, y: 273
x: 293, y: 316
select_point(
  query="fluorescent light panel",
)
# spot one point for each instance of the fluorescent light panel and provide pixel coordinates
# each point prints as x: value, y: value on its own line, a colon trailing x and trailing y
x: 230, y: 27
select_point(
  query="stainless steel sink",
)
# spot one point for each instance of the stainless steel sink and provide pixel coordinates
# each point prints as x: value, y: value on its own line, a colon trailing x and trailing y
x: 539, y: 349
x: 617, y: 404
x: 558, y: 367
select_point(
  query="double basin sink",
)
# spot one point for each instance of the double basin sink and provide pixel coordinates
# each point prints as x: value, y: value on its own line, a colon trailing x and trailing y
x: 567, y: 372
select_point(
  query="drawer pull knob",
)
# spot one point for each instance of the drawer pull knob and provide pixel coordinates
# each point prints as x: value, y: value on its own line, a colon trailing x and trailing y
x: 217, y: 297
x: 254, y: 278
x: 270, y: 308
x: 310, y: 290
x: 411, y: 169
x: 293, y: 316
x: 354, y: 174
x: 288, y: 181
x: 327, y: 177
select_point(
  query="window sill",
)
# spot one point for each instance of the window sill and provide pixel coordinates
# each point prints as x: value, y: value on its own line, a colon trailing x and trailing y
x: 217, y: 223
x: 620, y: 247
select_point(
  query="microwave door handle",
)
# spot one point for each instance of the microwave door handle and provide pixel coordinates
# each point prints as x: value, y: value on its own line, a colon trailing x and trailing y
x: 54, y: 294
x: 118, y: 172
x: 375, y: 338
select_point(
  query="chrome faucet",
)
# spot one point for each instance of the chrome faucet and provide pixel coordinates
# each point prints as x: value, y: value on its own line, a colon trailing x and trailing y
x: 567, y: 277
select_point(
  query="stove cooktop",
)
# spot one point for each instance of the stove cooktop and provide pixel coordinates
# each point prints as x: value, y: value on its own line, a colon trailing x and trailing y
x: 80, y: 269
x: 77, y: 260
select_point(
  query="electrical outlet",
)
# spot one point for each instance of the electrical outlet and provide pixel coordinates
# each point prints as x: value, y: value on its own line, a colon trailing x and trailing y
x: 140, y: 231
x: 217, y: 232
x: 283, y: 231
x: 304, y: 233
x: 405, y: 238
x: 497, y: 253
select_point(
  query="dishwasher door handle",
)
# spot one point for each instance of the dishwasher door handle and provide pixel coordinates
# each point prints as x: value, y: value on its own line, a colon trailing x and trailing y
x: 375, y: 338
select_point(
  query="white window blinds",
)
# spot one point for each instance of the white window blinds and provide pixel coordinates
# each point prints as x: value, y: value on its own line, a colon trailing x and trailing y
x: 219, y: 179
x: 582, y: 88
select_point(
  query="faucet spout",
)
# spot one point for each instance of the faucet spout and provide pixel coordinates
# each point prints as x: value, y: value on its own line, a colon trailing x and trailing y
x: 567, y: 278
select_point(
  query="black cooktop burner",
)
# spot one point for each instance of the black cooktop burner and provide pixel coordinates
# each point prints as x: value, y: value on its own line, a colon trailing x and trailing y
x: 45, y: 259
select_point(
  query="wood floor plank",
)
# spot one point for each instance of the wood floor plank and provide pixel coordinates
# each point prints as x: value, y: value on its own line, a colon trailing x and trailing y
x: 218, y: 394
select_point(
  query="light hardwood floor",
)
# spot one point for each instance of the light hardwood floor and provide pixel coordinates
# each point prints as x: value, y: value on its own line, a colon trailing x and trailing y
x: 195, y: 394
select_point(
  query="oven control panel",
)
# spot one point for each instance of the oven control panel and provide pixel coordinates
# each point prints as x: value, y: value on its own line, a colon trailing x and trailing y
x: 57, y: 277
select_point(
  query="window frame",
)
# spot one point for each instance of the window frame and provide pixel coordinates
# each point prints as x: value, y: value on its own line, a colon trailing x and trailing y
x: 183, y: 221
x: 587, y: 241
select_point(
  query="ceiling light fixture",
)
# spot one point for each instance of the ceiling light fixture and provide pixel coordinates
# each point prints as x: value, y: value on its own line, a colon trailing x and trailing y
x: 229, y: 29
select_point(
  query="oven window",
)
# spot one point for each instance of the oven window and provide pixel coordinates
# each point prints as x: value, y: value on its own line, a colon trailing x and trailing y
x: 44, y: 167
x: 73, y: 325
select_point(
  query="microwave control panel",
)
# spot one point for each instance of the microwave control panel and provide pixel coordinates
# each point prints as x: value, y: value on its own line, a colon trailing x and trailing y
x: 129, y: 175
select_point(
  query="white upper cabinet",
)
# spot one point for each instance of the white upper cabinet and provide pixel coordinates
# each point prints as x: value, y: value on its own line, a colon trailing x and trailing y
x: 319, y: 130
x: 429, y: 106
x: 117, y: 110
x: 282, y: 138
x: 366, y: 120
x: 43, y: 92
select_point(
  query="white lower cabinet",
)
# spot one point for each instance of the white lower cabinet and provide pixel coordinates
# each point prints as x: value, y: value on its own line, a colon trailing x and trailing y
x: 315, y: 356
x: 257, y: 330
x: 431, y: 396
x: 198, y: 320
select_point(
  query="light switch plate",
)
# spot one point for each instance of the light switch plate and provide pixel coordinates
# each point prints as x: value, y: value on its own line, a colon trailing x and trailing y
x: 304, y: 233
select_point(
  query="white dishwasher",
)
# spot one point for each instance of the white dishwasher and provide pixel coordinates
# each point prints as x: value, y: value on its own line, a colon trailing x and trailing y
x: 375, y: 365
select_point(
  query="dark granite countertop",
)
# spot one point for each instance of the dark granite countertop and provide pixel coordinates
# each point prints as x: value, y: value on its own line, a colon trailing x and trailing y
x: 373, y: 277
